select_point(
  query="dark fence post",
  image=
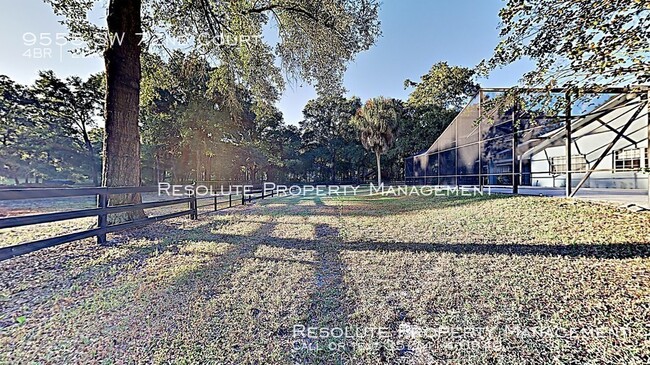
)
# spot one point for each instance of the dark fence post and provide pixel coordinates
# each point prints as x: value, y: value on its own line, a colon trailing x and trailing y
x: 243, y: 197
x: 196, y: 205
x: 191, y: 209
x: 102, y: 218
x: 215, y: 203
x: 229, y: 200
x: 193, y: 205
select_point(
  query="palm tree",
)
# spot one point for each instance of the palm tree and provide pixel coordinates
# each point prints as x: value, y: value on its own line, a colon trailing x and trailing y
x: 376, y: 121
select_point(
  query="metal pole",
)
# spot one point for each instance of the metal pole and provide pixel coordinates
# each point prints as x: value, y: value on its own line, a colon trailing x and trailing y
x: 456, y: 151
x: 438, y: 166
x: 229, y: 200
x: 567, y: 126
x: 515, y: 142
x: 480, y: 152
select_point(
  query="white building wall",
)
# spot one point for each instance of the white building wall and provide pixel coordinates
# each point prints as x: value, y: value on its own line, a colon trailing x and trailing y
x: 591, y: 141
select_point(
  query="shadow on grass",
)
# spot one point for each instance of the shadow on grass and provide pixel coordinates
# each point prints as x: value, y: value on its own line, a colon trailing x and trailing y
x: 600, y: 251
x: 368, y: 205
x: 327, y: 304
x: 175, y: 236
x: 169, y: 236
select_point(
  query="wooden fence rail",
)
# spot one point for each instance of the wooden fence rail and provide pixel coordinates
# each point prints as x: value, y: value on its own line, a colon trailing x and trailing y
x: 102, y: 211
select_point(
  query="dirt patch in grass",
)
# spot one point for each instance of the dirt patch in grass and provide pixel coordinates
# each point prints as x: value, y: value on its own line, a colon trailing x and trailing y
x: 415, y: 280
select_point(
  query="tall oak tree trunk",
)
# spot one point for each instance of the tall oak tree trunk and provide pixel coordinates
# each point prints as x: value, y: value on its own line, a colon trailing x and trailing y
x: 121, y: 166
x: 378, y: 168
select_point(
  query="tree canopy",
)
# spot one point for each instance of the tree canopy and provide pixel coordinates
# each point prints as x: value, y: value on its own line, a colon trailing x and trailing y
x: 315, y: 38
x: 328, y: 138
x: 444, y: 86
x: 577, y: 42
x: 48, y: 130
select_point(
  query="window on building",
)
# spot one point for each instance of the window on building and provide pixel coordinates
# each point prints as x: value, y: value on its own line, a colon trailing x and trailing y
x: 578, y: 164
x: 629, y: 159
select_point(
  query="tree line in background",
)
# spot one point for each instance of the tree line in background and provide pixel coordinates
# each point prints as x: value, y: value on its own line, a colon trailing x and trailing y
x: 48, y: 130
x: 199, y: 121
x: 189, y: 131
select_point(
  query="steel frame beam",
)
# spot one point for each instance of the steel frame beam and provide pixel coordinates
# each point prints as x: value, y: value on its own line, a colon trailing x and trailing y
x: 619, y: 134
x: 568, y: 142
x: 612, y: 129
x: 515, y: 143
x: 608, y: 90
x: 480, y: 151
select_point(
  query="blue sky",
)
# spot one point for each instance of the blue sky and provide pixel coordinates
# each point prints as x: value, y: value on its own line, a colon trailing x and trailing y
x: 416, y: 34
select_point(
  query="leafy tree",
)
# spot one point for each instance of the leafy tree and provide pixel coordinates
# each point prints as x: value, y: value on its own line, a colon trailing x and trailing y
x: 30, y: 146
x: 72, y: 105
x: 316, y: 39
x: 190, y: 131
x: 576, y: 42
x: 183, y: 121
x: 326, y: 131
x: 376, y: 122
x: 280, y: 144
x: 45, y: 129
x: 15, y: 123
x: 444, y: 86
x: 353, y: 161
x: 418, y: 128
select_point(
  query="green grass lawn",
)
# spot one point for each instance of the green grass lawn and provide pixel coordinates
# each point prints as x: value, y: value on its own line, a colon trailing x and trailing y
x: 415, y: 280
